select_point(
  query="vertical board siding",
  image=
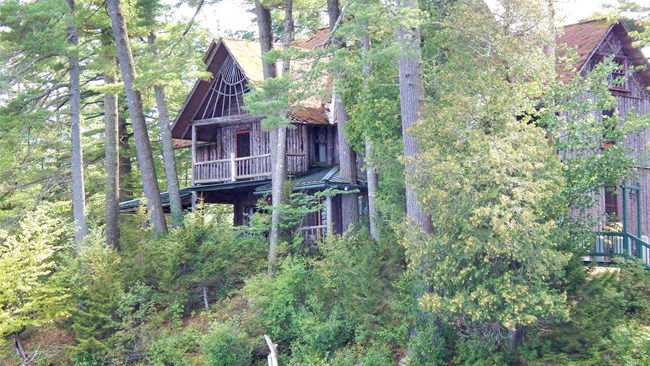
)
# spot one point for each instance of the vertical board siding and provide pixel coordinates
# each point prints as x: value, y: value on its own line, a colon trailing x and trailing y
x: 213, y: 157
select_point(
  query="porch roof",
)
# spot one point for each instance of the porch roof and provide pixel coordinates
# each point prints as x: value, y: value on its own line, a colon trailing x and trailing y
x: 317, y: 178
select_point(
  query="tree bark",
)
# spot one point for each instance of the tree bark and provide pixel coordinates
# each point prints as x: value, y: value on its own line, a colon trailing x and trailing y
x: 77, y: 171
x: 411, y: 90
x: 111, y: 163
x: 347, y: 157
x: 134, y: 100
x: 371, y: 175
x: 168, y: 156
x: 125, y: 166
x: 171, y: 174
x: 278, y: 165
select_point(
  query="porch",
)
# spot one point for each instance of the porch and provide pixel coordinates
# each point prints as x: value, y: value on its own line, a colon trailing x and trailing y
x: 243, y: 168
x: 608, y: 245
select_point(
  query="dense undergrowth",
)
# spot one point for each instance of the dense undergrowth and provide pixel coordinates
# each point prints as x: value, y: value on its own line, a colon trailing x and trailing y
x: 345, y: 301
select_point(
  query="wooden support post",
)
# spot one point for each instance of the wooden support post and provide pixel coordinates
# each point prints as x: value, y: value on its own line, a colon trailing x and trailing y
x: 233, y: 167
x: 193, y: 153
x: 194, y: 200
x: 330, y: 215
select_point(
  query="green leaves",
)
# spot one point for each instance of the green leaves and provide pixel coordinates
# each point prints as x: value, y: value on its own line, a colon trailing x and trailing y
x: 31, y: 294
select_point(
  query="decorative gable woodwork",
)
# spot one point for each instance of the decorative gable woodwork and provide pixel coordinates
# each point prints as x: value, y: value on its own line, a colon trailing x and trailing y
x: 225, y: 97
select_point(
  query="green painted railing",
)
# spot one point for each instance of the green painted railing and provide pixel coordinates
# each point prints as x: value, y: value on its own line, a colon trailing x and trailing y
x: 612, y: 244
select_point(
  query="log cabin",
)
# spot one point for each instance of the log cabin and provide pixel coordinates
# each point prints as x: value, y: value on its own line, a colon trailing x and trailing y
x: 231, y: 152
x: 594, y: 41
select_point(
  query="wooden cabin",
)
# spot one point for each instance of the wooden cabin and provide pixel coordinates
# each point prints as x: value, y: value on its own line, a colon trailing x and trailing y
x: 593, y: 42
x: 231, y: 152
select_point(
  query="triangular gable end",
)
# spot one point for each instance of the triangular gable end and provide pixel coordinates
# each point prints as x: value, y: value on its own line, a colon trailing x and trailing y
x: 596, y: 39
x: 220, y: 96
x: 225, y: 97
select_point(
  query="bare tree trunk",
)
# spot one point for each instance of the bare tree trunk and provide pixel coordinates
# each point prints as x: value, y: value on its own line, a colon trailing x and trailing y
x: 411, y: 92
x: 77, y: 170
x: 272, y: 358
x: 111, y: 163
x: 168, y: 152
x: 168, y: 157
x: 278, y: 170
x: 266, y: 37
x: 371, y: 176
x: 20, y: 350
x: 347, y: 157
x: 142, y: 144
x: 204, y: 292
x: 125, y: 167
x: 280, y: 166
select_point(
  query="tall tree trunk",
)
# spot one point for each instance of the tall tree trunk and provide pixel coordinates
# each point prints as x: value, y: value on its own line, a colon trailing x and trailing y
x: 78, y: 191
x: 168, y: 156
x: 411, y: 93
x: 278, y: 166
x: 142, y: 144
x: 168, y: 152
x: 125, y: 166
x: 347, y: 157
x: 111, y: 161
x: 371, y: 176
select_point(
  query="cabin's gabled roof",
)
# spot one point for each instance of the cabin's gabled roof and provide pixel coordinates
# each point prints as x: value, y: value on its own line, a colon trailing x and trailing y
x: 247, y: 57
x: 586, y: 37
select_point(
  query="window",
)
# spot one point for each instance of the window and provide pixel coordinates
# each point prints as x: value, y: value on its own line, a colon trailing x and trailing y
x: 619, y: 74
x: 320, y: 144
x: 609, y: 128
x: 611, y: 204
x: 242, y: 144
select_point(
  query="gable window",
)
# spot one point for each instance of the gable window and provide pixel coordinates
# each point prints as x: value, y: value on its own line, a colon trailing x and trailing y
x: 619, y: 74
x: 618, y: 79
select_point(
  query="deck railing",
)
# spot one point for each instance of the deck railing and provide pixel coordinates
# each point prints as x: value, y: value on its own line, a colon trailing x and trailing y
x: 312, y: 234
x: 612, y: 244
x: 249, y: 167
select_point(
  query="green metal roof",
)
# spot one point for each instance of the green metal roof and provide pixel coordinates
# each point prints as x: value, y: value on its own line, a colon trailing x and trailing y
x: 318, y: 178
x: 133, y: 204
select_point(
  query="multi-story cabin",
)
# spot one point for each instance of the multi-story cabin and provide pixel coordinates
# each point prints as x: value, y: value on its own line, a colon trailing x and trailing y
x: 594, y: 41
x: 231, y: 153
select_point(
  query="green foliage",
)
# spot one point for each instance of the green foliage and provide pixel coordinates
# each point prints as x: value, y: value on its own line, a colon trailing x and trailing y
x: 312, y: 308
x: 226, y: 345
x: 175, y: 347
x: 609, y: 322
x: 32, y: 292
x: 489, y: 180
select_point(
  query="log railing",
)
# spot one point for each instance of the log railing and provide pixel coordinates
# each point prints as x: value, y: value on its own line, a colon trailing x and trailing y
x: 249, y: 167
x: 313, y: 234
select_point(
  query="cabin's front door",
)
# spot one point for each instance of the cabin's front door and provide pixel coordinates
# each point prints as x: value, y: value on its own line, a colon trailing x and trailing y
x: 243, y: 144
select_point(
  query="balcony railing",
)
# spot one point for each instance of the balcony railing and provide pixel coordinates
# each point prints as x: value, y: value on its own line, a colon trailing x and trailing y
x: 249, y: 167
x: 614, y: 244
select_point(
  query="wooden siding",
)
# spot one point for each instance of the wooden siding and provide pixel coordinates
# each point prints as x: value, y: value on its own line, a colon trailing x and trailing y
x: 215, y: 160
x: 637, y: 146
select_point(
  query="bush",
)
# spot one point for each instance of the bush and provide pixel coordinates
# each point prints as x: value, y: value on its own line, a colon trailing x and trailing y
x: 226, y: 345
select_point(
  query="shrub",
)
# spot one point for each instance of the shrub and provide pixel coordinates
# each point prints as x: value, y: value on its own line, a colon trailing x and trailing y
x: 226, y: 345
